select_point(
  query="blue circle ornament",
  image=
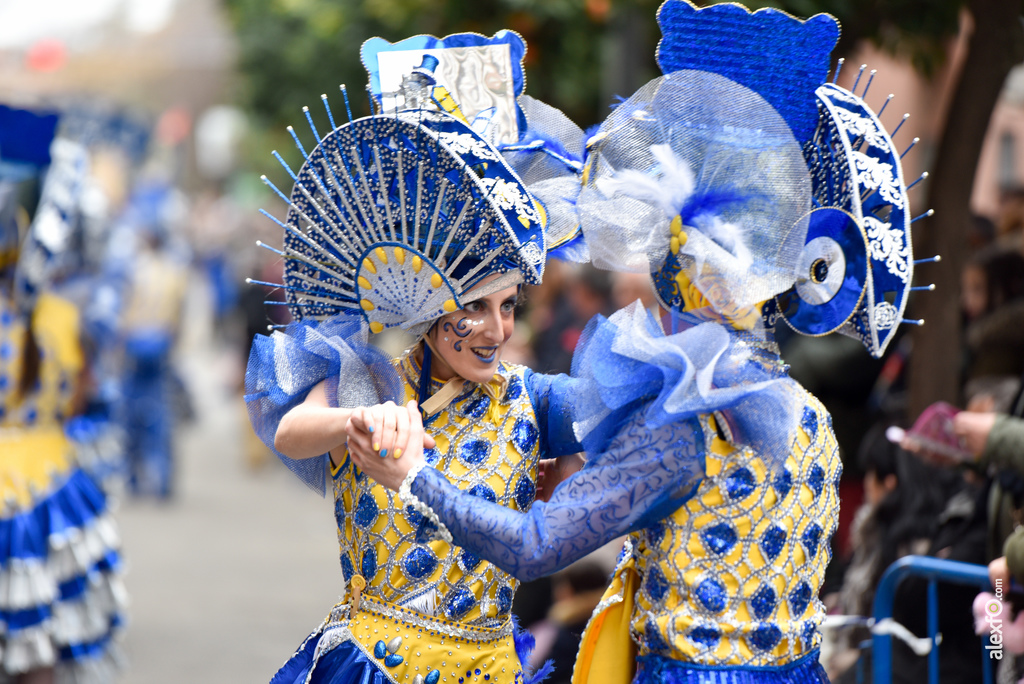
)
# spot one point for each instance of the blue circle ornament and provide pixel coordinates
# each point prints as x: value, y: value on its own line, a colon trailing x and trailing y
x: 832, y: 273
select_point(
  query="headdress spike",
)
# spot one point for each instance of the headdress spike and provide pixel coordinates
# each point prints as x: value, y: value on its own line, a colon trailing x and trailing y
x: 885, y: 104
x: 856, y: 81
x: 330, y: 115
x: 298, y: 144
x: 839, y: 67
x: 283, y: 163
x: 910, y: 147
x: 309, y: 118
x: 899, y: 125
x: 348, y: 107
x: 919, y: 179
x: 871, y: 77
x: 930, y: 212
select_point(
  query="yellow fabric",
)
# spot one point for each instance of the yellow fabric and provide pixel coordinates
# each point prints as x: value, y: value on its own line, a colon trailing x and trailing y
x: 679, y: 552
x: 423, y: 650
x: 33, y: 450
x: 607, y: 652
x: 385, y: 544
x: 30, y: 461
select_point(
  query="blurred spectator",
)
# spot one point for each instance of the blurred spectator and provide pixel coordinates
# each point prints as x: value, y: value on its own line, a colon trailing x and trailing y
x: 903, y: 498
x: 992, y: 298
x: 1010, y: 224
x: 576, y: 590
x: 981, y: 232
x: 585, y: 293
x: 150, y: 325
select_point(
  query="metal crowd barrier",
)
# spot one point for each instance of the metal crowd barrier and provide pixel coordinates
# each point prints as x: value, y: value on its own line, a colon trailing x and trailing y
x: 934, y: 570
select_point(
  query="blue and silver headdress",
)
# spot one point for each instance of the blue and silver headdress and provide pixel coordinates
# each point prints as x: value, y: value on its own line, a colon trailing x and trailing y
x: 857, y: 267
x: 697, y: 174
x: 853, y: 273
x: 398, y: 215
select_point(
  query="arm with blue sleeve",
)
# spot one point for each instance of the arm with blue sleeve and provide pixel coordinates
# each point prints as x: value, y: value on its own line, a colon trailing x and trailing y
x: 633, y: 404
x: 644, y: 475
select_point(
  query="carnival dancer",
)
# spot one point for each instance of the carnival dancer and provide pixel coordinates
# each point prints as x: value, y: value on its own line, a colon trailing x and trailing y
x: 60, y: 591
x: 724, y: 585
x: 411, y: 218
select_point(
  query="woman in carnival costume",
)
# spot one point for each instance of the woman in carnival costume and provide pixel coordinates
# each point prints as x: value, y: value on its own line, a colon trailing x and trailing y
x: 412, y: 218
x: 702, y: 177
x: 60, y: 591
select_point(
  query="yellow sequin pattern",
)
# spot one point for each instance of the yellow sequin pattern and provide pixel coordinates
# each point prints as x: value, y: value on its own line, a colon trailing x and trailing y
x: 732, y: 577
x: 486, y: 447
x: 33, y: 448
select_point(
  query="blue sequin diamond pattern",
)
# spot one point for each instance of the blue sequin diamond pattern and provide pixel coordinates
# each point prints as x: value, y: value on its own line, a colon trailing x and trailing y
x: 740, y: 559
x: 524, y: 436
x: 485, y: 448
x: 720, y: 538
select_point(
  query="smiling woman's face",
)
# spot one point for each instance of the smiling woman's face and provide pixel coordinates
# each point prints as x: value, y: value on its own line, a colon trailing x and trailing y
x: 470, y: 341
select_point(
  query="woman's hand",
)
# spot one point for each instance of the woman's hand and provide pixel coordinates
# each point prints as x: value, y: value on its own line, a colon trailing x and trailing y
x: 387, y: 457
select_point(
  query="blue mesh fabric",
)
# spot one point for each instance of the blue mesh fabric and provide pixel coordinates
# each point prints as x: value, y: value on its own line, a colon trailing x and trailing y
x: 640, y: 471
x: 638, y: 395
x: 628, y: 360
x: 285, y: 366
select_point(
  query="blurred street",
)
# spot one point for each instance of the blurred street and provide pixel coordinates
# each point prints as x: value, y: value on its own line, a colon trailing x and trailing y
x: 229, y: 577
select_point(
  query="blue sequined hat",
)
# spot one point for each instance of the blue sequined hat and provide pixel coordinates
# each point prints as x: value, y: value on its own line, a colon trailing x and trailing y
x: 400, y: 214
x: 853, y: 274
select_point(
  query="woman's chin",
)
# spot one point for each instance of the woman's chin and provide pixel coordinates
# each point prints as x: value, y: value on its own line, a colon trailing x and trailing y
x: 482, y: 373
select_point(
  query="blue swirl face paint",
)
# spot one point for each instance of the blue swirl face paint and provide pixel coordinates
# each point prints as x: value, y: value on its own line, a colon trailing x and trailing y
x: 470, y: 341
x: 460, y: 330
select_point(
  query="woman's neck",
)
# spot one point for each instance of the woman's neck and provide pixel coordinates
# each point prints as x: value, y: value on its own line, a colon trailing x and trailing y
x: 439, y: 368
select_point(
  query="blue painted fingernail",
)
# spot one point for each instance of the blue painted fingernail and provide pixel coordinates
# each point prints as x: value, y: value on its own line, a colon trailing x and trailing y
x: 370, y: 428
x: 383, y: 453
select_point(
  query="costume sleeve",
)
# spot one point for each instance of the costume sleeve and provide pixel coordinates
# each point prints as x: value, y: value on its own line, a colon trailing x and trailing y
x: 644, y: 475
x: 636, y: 413
x: 1005, y: 444
x: 552, y: 399
x: 285, y: 366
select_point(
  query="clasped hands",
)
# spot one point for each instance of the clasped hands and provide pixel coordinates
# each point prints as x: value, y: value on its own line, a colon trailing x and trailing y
x: 386, y: 441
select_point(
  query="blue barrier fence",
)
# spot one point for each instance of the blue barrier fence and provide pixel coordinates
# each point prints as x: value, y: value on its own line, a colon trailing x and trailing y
x: 934, y: 570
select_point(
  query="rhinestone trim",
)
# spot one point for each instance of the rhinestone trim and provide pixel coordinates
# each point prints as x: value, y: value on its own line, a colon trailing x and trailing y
x: 410, y: 499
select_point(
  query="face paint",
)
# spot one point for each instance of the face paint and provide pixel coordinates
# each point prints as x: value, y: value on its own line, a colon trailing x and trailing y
x: 470, y: 341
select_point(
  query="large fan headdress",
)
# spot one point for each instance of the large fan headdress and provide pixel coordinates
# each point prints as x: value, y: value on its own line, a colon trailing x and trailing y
x: 398, y: 215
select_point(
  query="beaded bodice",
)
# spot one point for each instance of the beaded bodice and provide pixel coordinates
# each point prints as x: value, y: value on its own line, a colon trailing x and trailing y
x: 732, y: 577
x: 487, y: 448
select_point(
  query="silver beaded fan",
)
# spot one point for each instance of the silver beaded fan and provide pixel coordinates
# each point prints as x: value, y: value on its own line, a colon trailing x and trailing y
x: 399, y: 216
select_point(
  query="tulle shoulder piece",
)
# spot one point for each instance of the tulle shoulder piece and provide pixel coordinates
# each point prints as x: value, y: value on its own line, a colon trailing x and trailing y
x: 286, y: 365
x: 628, y: 361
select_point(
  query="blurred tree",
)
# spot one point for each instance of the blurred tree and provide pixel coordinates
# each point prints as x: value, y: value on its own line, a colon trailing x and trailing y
x: 580, y: 53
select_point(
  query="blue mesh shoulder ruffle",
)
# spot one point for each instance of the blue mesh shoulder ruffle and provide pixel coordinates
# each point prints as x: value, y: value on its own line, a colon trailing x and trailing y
x: 629, y: 362
x: 285, y: 366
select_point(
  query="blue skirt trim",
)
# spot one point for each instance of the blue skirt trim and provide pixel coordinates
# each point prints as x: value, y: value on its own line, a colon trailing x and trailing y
x: 60, y: 563
x: 343, y: 664
x: 655, y: 669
